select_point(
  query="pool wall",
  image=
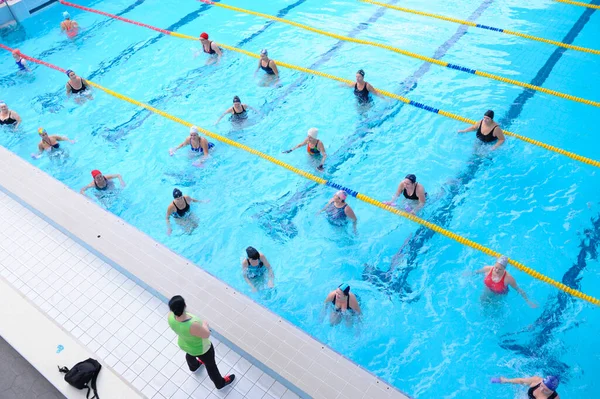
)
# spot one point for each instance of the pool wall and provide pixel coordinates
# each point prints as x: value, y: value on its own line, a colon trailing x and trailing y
x: 291, y: 356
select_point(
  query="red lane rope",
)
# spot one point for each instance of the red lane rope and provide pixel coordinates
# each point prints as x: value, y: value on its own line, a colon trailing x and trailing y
x: 34, y: 59
x: 166, y: 32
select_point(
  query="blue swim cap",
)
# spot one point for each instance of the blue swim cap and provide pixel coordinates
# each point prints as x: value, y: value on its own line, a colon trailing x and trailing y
x: 551, y: 382
x: 345, y: 288
x: 177, y: 193
x: 68, y: 72
x: 66, y: 15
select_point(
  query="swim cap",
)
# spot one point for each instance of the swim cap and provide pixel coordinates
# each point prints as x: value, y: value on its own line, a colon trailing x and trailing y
x: 411, y: 177
x: 66, y: 15
x: 177, y: 193
x: 194, y: 129
x: 551, y: 382
x: 489, y: 113
x: 313, y: 132
x: 264, y: 51
x: 16, y: 51
x: 2, y: 104
x: 503, y: 260
x: 342, y: 195
x: 96, y: 172
x: 236, y: 99
x: 204, y: 36
x: 252, y: 253
x: 68, y: 72
x: 41, y: 130
x: 361, y: 72
x: 345, y: 288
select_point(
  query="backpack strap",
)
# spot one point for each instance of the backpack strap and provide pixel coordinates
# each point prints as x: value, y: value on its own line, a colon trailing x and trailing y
x: 93, y: 385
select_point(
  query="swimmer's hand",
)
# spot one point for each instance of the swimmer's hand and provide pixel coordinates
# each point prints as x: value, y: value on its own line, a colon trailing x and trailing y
x: 390, y: 203
x: 36, y: 156
x: 72, y: 141
x: 172, y: 152
x: 169, y: 230
x: 320, y: 167
x: 286, y: 151
x: 497, y: 380
x: 531, y: 304
x: 270, y: 284
x: 204, y: 201
x: 198, y: 164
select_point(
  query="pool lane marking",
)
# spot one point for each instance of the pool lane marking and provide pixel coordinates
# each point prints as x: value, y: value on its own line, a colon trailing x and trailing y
x: 319, y: 180
x: 386, y: 93
x: 486, y: 27
x: 411, y: 54
x: 579, y: 3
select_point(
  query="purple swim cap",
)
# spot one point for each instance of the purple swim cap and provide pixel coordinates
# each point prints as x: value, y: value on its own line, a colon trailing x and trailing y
x: 551, y: 382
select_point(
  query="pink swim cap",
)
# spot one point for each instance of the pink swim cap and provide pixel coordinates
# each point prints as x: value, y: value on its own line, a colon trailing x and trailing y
x: 342, y: 195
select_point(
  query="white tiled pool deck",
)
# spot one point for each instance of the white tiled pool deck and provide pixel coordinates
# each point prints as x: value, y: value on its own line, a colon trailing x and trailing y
x: 118, y: 320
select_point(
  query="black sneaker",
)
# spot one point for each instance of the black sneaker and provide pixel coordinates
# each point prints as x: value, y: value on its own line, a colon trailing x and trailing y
x: 228, y: 380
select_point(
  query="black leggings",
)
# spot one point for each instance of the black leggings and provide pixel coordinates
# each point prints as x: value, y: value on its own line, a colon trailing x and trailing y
x: 211, y: 366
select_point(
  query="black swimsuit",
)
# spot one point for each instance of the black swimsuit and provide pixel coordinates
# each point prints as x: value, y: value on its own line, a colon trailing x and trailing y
x: 210, y: 49
x: 9, y: 120
x: 533, y: 389
x: 105, y: 185
x: 362, y: 95
x: 413, y: 196
x: 267, y: 68
x: 182, y: 212
x: 255, y: 271
x: 239, y: 115
x: 486, y: 138
x: 76, y: 91
x: 340, y: 309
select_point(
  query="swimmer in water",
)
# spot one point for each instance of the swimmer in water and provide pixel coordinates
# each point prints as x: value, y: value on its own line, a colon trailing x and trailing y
x: 102, y: 182
x: 497, y: 280
x: 267, y: 65
x: 211, y: 48
x: 488, y: 131
x: 539, y: 388
x: 363, y: 89
x: 314, y: 146
x: 20, y: 61
x: 9, y: 117
x: 197, y: 144
x: 338, y: 210
x: 238, y: 111
x: 254, y: 267
x: 68, y: 25
x: 49, y: 143
x: 77, y: 85
x: 411, y: 191
x: 345, y: 305
x: 179, y: 208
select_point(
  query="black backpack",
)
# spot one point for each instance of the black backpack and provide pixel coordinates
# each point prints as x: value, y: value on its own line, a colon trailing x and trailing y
x: 83, y: 375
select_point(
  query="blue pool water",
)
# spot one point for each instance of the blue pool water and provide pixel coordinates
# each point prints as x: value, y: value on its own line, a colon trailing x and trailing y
x: 424, y: 329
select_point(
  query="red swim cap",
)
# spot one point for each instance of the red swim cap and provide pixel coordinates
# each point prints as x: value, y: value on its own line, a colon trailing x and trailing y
x: 96, y: 172
x: 204, y: 36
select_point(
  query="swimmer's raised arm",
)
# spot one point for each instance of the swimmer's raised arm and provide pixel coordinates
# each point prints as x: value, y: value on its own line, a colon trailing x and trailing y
x: 471, y: 128
x: 185, y: 142
x: 227, y: 111
x: 305, y: 142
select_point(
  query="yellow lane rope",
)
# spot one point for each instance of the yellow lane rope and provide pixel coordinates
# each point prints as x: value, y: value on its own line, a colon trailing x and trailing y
x: 412, y: 55
x: 386, y: 93
x: 578, y: 3
x: 319, y: 180
x: 490, y: 28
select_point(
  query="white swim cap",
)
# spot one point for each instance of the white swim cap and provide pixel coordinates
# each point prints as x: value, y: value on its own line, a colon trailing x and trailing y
x: 66, y: 15
x: 503, y: 260
x: 313, y: 132
x: 194, y: 129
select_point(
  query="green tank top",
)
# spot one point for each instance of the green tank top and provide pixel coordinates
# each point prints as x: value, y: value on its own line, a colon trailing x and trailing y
x: 194, y: 346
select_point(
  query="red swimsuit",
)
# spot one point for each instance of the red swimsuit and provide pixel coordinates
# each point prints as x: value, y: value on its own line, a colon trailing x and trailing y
x: 496, y: 287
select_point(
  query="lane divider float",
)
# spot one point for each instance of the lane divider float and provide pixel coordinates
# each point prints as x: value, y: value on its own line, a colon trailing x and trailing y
x: 572, y: 155
x: 476, y: 25
x: 579, y: 3
x: 319, y: 180
x: 411, y: 54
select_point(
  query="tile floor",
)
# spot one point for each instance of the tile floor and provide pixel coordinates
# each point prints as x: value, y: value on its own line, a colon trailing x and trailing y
x: 124, y: 324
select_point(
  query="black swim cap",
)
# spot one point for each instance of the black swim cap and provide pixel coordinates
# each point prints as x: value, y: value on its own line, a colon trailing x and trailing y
x: 177, y: 305
x: 177, y: 193
x: 236, y: 99
x: 489, y: 113
x: 361, y: 72
x: 411, y: 177
x: 252, y: 253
